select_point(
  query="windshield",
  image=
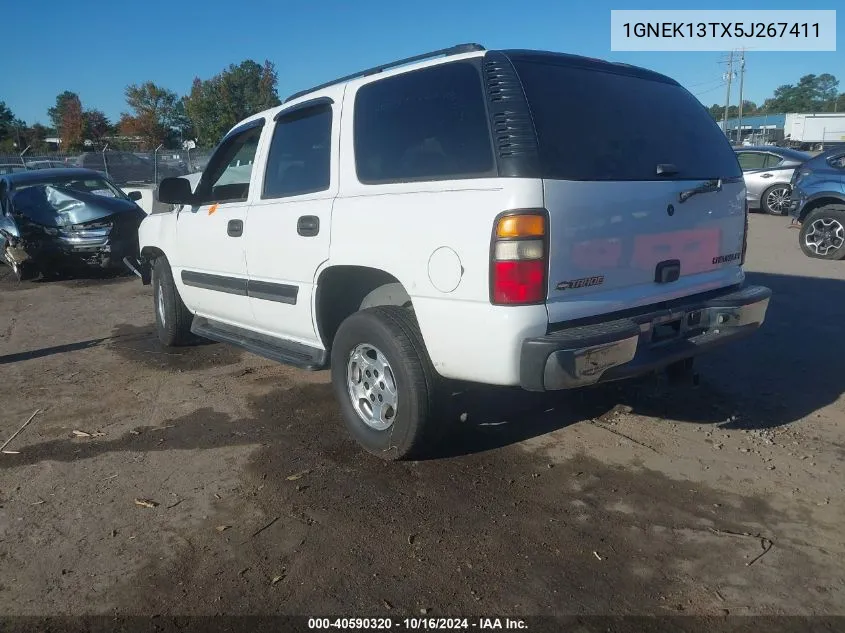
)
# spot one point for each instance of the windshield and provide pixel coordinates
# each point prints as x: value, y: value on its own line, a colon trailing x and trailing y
x: 607, y: 126
x: 96, y: 186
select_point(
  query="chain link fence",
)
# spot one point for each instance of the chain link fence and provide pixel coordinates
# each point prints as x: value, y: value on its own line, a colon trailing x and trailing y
x: 122, y: 167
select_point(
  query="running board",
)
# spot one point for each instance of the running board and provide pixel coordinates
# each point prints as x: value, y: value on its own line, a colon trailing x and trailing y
x: 272, y: 348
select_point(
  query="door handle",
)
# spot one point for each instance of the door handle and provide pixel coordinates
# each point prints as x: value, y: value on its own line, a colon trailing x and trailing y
x: 766, y: 175
x: 308, y: 225
x: 235, y: 228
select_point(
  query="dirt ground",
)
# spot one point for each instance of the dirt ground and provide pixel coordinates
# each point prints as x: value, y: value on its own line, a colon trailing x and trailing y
x: 638, y: 498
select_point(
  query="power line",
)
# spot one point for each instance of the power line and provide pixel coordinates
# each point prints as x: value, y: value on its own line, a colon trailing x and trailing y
x: 704, y: 92
x: 703, y: 83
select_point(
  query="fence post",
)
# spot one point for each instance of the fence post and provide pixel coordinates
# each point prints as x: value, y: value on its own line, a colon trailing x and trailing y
x: 22, y: 153
x: 155, y: 163
x: 105, y: 162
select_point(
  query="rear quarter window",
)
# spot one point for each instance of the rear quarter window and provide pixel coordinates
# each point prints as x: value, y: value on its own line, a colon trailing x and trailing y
x: 428, y: 124
x: 598, y: 125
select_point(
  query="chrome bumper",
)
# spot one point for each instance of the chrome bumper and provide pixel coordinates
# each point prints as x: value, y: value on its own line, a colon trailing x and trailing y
x: 644, y: 342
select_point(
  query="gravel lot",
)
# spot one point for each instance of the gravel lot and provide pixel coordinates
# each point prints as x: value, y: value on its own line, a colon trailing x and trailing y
x: 625, y: 499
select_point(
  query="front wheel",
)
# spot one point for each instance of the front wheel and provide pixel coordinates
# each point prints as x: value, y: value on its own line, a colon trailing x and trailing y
x: 385, y: 383
x: 822, y: 233
x: 775, y: 200
x: 173, y: 319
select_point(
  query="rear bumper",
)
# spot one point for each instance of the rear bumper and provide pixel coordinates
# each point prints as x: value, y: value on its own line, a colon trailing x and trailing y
x: 623, y: 348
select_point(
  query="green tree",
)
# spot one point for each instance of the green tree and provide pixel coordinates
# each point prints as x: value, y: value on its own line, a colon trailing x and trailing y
x: 7, y: 122
x: 812, y: 93
x: 96, y: 125
x: 749, y: 108
x: 215, y: 105
x: 153, y: 111
x: 35, y: 136
x: 181, y: 125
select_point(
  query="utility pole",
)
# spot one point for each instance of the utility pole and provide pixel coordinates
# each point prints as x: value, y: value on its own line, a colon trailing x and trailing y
x: 727, y: 77
x: 741, y: 80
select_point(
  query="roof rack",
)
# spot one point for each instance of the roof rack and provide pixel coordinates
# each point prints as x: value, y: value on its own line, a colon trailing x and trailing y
x: 452, y: 50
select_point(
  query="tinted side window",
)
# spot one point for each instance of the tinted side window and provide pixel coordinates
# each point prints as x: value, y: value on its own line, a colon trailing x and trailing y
x: 772, y: 160
x: 428, y: 124
x: 751, y: 160
x: 591, y: 123
x: 299, y: 161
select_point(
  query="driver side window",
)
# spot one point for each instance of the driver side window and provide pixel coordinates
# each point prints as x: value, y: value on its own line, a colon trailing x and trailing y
x: 227, y: 176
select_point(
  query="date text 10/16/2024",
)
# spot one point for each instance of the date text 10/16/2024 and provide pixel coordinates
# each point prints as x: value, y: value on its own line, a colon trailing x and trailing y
x: 423, y: 624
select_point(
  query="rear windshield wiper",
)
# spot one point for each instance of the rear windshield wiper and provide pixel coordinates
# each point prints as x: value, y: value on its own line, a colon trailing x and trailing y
x: 706, y: 187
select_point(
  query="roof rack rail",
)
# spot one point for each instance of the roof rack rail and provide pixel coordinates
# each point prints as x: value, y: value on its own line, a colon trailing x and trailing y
x: 452, y: 50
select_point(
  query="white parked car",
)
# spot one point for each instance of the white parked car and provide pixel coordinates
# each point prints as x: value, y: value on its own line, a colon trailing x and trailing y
x: 466, y: 214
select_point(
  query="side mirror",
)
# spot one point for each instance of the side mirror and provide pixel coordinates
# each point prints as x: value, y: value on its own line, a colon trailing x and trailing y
x: 175, y: 191
x: 134, y: 195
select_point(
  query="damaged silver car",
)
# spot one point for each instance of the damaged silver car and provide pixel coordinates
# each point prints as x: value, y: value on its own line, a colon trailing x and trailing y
x: 53, y: 220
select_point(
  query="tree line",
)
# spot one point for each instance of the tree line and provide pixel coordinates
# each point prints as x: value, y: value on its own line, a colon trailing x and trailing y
x: 812, y: 93
x: 156, y: 116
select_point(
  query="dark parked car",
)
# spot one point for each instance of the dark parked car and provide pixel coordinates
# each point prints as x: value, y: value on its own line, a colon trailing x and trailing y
x: 818, y: 203
x: 126, y: 167
x: 51, y: 219
x: 767, y: 171
x: 11, y: 168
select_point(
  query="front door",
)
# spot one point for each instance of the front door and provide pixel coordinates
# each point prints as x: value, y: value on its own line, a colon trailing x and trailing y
x: 291, y: 221
x: 211, y: 272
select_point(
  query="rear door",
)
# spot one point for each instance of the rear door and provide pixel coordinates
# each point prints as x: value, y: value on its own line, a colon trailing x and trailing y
x: 645, y: 196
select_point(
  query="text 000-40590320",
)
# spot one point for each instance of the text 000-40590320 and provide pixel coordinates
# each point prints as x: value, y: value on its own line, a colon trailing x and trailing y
x: 712, y: 30
x: 417, y: 624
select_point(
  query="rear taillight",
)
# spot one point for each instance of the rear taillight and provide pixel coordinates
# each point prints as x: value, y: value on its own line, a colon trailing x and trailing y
x: 519, y: 258
x: 744, y: 236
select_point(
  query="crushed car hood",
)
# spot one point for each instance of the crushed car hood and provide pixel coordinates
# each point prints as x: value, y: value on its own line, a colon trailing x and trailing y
x: 49, y: 205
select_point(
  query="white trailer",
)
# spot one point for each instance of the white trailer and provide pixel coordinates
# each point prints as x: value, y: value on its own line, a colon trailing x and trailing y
x: 811, y: 130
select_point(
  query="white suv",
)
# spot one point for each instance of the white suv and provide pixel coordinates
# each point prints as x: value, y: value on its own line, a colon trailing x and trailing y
x: 502, y: 217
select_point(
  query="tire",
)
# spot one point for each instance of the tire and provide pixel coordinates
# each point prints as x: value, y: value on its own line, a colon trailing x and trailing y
x: 27, y: 271
x: 775, y: 199
x: 385, y: 334
x: 822, y: 234
x: 173, y: 319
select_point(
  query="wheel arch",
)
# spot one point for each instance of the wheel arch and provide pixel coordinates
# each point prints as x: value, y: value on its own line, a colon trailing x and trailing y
x: 152, y: 252
x: 342, y: 290
x: 822, y: 200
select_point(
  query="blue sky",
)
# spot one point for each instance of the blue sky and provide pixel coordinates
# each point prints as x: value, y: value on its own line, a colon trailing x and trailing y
x: 96, y: 48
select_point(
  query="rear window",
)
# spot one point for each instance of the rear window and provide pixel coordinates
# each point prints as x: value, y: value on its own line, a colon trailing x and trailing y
x: 594, y: 125
x: 428, y: 124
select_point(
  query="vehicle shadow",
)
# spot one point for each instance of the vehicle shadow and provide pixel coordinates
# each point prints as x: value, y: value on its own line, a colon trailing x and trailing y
x: 792, y: 367
x: 81, y: 273
x: 788, y: 370
x: 75, y: 277
x: 50, y: 351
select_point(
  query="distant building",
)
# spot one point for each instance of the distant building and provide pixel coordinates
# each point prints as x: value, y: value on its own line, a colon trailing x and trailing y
x: 761, y: 129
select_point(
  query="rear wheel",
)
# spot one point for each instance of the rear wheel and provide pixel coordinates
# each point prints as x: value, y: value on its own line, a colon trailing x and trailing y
x: 173, y: 319
x: 775, y: 200
x: 822, y: 233
x: 384, y: 381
